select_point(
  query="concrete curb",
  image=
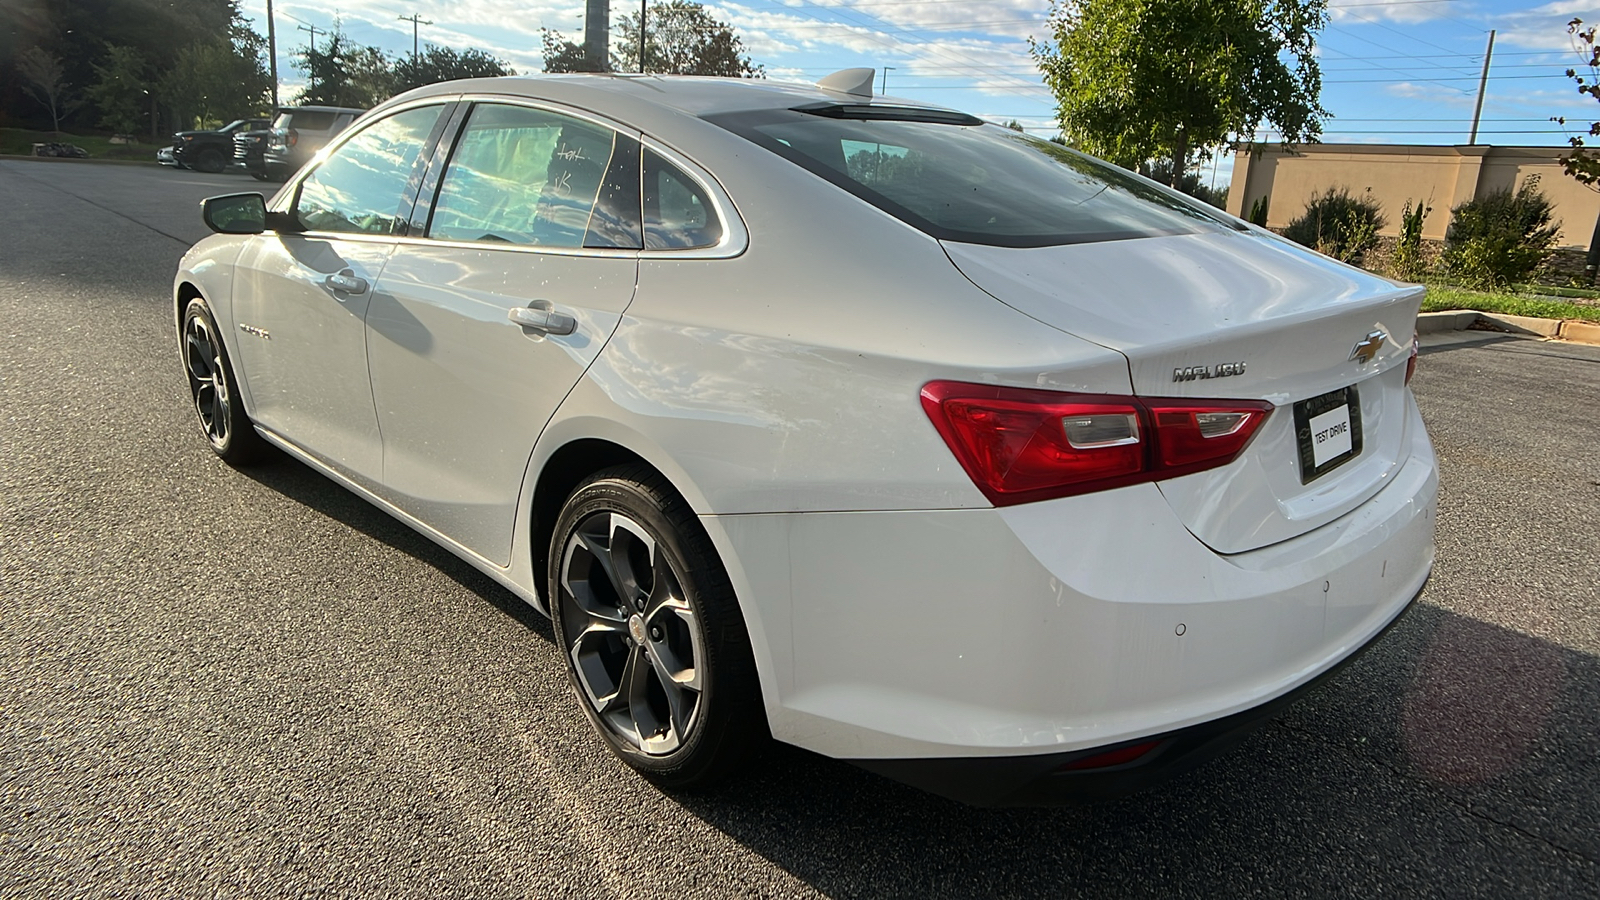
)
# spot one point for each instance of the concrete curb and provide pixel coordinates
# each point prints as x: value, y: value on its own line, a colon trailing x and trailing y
x: 1571, y: 330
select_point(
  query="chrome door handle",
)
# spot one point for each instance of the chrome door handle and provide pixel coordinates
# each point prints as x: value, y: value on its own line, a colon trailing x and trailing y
x: 346, y: 283
x: 542, y: 320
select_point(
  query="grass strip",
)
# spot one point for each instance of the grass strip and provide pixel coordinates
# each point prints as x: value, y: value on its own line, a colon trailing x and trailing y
x: 20, y: 141
x: 1441, y: 298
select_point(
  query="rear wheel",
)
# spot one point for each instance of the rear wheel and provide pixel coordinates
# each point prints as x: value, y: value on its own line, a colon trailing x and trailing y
x: 209, y: 160
x: 215, y: 391
x: 655, y: 645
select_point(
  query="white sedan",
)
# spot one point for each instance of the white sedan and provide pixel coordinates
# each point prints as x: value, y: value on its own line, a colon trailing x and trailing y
x: 910, y: 440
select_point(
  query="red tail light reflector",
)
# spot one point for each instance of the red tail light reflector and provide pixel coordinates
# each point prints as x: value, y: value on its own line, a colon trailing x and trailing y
x: 291, y: 138
x: 1020, y: 445
x: 1117, y: 757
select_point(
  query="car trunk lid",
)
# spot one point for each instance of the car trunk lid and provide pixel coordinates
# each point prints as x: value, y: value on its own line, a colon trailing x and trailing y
x: 1233, y: 315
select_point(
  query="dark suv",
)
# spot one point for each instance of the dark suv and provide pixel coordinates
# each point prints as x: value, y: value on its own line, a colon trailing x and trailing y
x: 298, y: 133
x: 206, y: 151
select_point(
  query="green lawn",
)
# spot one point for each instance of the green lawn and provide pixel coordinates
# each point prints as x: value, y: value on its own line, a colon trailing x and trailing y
x: 20, y: 141
x: 1442, y: 298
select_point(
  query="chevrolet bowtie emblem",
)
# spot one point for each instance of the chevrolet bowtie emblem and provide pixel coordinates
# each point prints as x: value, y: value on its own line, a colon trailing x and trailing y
x: 1368, y: 347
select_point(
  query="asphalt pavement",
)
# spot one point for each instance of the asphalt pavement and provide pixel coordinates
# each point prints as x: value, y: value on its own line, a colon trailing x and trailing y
x: 215, y: 682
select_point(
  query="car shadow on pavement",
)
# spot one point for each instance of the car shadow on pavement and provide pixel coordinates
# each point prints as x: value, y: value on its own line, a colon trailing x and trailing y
x: 1456, y: 757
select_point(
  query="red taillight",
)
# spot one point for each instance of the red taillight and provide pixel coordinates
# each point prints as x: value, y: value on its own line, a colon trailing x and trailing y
x: 1020, y: 445
x: 1411, y: 364
x: 291, y: 137
x: 1117, y: 757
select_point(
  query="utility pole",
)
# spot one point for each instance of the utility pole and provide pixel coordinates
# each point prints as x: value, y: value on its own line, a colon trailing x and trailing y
x: 309, y: 70
x: 643, y: 11
x: 313, y: 29
x: 272, y: 56
x: 885, y: 88
x: 1483, y: 85
x: 597, y: 36
x: 414, y: 19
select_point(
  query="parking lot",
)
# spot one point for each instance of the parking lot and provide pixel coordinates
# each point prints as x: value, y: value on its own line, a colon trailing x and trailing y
x: 215, y: 682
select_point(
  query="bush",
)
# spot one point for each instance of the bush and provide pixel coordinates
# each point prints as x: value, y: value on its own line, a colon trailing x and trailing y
x: 1258, y: 211
x: 1337, y: 224
x: 1407, y: 263
x: 1501, y: 237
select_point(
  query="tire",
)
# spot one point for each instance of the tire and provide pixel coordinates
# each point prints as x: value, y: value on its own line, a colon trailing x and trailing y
x: 665, y: 675
x: 215, y: 391
x: 259, y: 176
x: 209, y: 160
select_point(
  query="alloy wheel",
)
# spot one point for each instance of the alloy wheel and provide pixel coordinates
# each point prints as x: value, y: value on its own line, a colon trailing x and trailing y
x: 207, y: 382
x: 631, y: 633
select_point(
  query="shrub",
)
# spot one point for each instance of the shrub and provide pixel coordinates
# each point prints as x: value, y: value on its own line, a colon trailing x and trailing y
x: 1407, y: 263
x: 1501, y: 237
x: 1337, y: 224
x: 1258, y: 211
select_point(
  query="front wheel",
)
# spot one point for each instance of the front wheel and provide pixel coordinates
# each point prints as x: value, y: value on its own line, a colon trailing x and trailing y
x: 210, y: 160
x: 215, y: 391
x: 655, y: 645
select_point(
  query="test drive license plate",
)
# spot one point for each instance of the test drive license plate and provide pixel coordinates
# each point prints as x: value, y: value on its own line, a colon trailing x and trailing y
x: 1328, y: 431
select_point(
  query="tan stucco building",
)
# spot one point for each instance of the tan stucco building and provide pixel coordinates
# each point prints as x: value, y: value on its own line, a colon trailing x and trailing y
x: 1396, y: 173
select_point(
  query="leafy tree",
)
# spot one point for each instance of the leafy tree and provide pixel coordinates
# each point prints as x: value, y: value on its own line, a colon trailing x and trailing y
x: 44, y: 78
x: 1188, y: 183
x: 342, y: 73
x: 437, y: 64
x: 213, y: 81
x: 1137, y: 79
x: 1582, y: 163
x: 562, y: 55
x: 78, y: 33
x: 680, y: 38
x: 122, y: 92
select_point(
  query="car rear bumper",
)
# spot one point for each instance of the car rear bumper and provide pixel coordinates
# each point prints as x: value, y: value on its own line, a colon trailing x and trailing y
x: 1041, y: 632
x: 1069, y: 779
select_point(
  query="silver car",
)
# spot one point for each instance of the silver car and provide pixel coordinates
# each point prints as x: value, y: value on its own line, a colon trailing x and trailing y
x: 865, y: 425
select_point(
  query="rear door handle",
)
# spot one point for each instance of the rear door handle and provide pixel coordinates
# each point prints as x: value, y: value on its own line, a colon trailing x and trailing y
x: 346, y: 282
x: 544, y: 320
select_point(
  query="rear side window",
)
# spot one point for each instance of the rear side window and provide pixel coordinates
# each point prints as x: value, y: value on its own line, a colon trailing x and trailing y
x: 306, y: 119
x: 970, y: 182
x: 677, y: 213
x: 522, y: 176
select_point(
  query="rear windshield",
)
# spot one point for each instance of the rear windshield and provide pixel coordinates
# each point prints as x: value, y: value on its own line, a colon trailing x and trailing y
x: 979, y: 184
x: 306, y: 119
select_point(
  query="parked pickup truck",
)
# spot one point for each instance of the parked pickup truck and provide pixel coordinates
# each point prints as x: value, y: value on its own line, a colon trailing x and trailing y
x: 206, y: 151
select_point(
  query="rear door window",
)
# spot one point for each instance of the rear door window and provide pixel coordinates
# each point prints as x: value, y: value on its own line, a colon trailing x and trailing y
x: 520, y: 175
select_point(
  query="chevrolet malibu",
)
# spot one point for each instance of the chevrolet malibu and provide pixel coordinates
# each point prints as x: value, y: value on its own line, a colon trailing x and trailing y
x: 859, y: 424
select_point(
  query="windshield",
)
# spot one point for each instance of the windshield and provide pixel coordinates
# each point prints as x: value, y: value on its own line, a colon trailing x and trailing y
x: 973, y: 183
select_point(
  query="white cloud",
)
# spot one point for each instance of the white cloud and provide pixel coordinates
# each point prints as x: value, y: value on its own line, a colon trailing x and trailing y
x: 1406, y: 11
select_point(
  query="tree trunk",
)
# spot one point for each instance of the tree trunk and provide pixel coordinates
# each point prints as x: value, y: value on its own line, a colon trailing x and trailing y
x: 1180, y: 158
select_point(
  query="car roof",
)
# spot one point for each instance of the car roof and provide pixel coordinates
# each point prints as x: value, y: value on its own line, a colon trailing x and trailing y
x: 333, y: 109
x: 693, y: 95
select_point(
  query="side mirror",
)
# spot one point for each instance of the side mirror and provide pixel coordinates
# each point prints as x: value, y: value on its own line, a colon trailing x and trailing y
x: 235, y: 213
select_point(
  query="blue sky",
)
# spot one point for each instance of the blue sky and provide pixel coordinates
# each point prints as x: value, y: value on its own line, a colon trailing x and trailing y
x: 1395, y: 71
